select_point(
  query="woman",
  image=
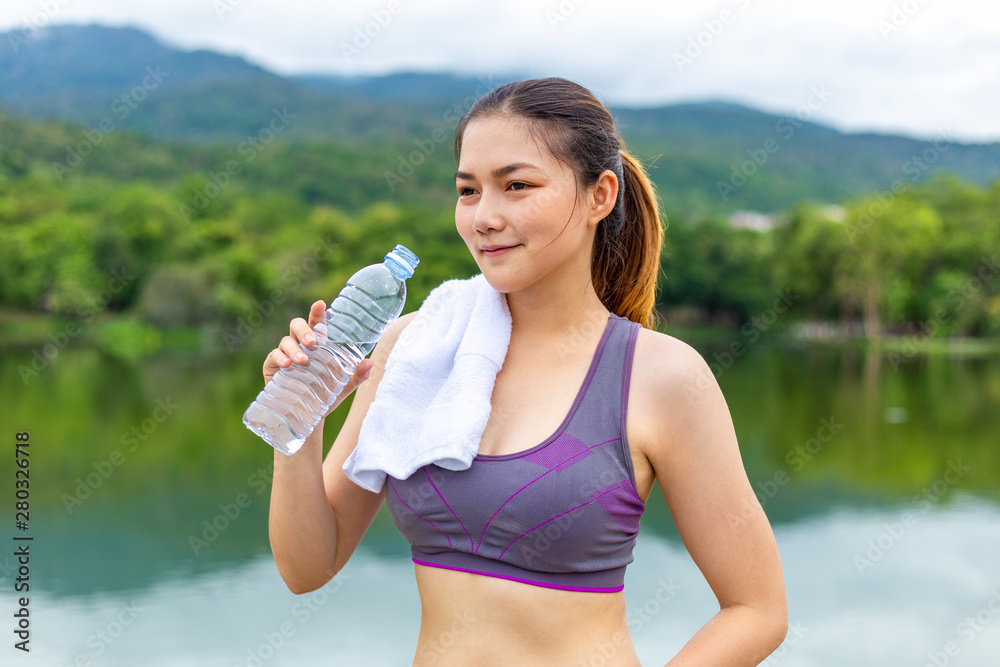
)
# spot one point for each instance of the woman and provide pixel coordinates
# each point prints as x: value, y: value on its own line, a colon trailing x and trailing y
x: 564, y: 221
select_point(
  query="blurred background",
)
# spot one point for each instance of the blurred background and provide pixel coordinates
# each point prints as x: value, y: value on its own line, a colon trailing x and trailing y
x: 178, y: 180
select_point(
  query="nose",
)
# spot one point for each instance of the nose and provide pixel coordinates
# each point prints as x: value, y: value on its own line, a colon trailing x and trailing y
x: 489, y: 213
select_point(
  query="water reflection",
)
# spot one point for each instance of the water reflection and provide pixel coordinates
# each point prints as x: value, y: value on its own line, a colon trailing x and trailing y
x: 910, y: 604
x: 146, y: 485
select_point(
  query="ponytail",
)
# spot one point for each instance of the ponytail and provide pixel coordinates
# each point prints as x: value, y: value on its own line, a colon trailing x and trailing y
x: 626, y: 262
x: 580, y: 131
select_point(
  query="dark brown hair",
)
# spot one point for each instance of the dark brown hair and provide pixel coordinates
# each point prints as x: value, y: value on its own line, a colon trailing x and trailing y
x: 578, y: 130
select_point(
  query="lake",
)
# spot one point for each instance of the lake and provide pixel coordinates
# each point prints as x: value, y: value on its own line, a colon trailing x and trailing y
x: 148, y: 513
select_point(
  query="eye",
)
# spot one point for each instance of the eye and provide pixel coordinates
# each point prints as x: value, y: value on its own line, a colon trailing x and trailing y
x: 518, y: 185
x: 466, y: 192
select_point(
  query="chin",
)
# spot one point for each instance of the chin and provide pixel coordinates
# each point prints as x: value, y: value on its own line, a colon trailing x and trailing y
x: 496, y: 282
x: 502, y: 280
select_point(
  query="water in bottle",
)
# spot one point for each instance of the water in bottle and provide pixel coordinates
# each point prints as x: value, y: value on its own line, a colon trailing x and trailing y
x: 293, y: 402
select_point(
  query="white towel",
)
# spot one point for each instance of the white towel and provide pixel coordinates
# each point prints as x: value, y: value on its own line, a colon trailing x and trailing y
x: 433, y: 400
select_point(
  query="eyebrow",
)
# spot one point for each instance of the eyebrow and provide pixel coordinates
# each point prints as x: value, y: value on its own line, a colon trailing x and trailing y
x: 499, y: 172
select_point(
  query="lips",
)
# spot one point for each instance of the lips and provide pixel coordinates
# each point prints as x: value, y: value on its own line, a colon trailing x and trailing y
x: 496, y: 250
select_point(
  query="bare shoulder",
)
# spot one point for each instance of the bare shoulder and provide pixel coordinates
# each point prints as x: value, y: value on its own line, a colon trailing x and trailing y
x: 672, y: 392
x: 667, y: 367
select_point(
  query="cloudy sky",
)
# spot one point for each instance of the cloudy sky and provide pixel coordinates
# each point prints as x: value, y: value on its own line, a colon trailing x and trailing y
x: 920, y: 67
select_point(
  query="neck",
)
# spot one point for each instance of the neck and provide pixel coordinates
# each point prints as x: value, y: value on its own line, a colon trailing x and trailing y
x: 555, y: 308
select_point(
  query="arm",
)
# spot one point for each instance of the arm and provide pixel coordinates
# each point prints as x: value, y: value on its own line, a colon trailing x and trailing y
x: 690, y: 442
x: 317, y: 516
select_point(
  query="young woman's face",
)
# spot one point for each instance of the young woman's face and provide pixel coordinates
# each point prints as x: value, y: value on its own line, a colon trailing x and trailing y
x: 519, y: 209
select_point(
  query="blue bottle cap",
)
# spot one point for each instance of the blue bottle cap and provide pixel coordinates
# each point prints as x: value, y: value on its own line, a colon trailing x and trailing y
x: 404, y: 259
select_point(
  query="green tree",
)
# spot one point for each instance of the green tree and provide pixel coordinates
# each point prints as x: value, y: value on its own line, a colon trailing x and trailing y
x: 888, y: 255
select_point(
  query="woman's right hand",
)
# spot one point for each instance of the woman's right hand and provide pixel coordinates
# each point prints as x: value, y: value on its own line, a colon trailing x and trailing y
x: 288, y: 351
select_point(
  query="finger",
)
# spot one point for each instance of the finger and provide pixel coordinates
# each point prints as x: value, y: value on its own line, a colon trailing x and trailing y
x: 301, y: 332
x: 275, y: 361
x: 290, y: 347
x: 317, y: 313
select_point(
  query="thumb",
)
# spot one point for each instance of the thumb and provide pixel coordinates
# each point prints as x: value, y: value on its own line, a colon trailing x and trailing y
x: 360, y: 375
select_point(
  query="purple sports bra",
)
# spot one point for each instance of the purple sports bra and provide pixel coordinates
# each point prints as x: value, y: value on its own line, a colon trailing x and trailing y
x: 563, y: 514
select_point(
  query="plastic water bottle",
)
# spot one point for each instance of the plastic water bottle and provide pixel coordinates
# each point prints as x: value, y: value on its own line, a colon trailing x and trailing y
x: 293, y: 402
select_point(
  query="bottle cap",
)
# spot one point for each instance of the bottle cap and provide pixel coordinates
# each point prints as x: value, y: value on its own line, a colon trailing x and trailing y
x: 404, y: 259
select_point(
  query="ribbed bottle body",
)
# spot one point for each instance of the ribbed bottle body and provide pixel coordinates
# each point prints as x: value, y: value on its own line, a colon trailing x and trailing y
x: 287, y: 410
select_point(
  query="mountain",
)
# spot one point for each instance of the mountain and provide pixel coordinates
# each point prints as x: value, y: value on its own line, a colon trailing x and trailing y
x: 61, y: 62
x: 762, y: 161
x: 705, y: 157
x: 84, y: 74
x: 126, y: 78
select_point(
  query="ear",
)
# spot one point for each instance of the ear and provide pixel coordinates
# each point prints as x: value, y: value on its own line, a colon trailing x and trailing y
x: 603, y: 196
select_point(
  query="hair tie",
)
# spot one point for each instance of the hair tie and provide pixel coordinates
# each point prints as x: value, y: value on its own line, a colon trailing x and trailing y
x: 617, y: 215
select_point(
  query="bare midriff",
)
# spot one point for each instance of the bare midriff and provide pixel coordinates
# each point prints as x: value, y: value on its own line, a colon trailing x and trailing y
x: 471, y: 619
